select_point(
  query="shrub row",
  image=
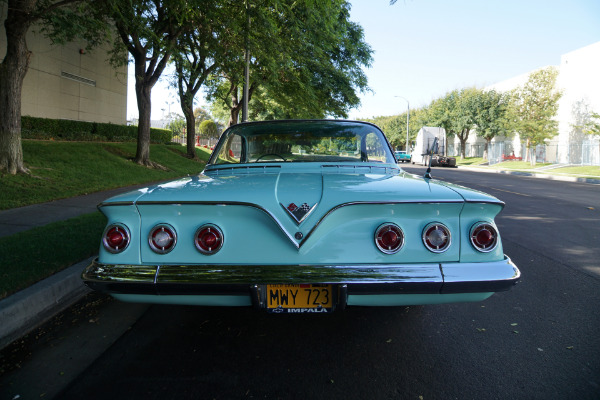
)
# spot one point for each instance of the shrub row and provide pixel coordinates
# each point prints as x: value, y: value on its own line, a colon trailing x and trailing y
x: 64, y: 129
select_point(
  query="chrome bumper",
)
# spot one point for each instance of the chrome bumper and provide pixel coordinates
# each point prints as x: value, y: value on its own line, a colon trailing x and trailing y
x: 444, y: 278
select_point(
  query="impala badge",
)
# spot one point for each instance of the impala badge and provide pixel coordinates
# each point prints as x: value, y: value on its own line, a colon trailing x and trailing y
x: 299, y: 213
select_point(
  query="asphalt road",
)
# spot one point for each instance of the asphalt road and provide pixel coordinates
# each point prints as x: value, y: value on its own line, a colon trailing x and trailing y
x: 538, y: 341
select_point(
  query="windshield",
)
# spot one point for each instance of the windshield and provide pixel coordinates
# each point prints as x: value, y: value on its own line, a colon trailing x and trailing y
x: 302, y: 141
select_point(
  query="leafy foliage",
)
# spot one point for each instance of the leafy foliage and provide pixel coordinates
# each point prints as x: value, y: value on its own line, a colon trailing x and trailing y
x: 535, y: 106
x: 64, y: 129
x: 306, y: 60
x: 592, y: 126
x: 148, y: 30
x: 208, y: 128
x: 493, y: 116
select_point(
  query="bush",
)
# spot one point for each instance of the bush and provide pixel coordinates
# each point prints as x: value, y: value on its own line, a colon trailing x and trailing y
x: 162, y: 136
x: 64, y: 129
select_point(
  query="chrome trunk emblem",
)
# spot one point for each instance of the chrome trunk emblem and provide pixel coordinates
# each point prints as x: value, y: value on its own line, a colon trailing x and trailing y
x: 300, y: 213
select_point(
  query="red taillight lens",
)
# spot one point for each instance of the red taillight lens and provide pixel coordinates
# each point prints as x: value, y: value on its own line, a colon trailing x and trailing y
x: 162, y: 238
x: 389, y: 238
x: 436, y: 237
x: 484, y: 237
x: 208, y: 239
x: 116, y: 238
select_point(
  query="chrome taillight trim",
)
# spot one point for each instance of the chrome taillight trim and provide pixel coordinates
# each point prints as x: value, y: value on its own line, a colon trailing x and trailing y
x: 382, y: 230
x: 210, y: 251
x: 162, y: 250
x: 436, y: 225
x: 473, y: 234
x: 127, y: 235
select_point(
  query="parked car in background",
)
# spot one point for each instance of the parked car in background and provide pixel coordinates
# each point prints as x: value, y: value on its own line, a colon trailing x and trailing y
x: 402, y: 156
x: 302, y: 216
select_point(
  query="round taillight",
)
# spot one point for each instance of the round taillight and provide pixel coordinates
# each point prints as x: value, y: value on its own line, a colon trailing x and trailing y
x: 116, y: 238
x: 162, y: 238
x: 436, y: 237
x: 389, y: 238
x: 208, y: 239
x: 484, y: 237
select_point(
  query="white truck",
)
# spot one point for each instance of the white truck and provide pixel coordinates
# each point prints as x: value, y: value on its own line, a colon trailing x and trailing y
x: 423, y: 148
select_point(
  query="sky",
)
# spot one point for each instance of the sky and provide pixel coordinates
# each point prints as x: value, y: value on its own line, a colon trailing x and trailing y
x: 423, y: 49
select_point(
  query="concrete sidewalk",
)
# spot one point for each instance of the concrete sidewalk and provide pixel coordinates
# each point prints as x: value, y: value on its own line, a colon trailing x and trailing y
x: 21, y: 219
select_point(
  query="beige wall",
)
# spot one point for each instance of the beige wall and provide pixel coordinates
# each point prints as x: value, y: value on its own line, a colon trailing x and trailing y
x: 48, y: 93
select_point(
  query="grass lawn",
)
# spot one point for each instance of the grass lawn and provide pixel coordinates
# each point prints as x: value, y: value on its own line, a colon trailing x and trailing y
x: 30, y: 256
x: 520, y: 165
x: 586, y: 171
x: 472, y: 161
x: 67, y: 169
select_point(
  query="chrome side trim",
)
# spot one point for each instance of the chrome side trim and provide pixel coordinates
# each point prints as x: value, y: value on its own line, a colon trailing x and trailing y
x: 388, y: 278
x: 228, y: 203
x: 354, y: 203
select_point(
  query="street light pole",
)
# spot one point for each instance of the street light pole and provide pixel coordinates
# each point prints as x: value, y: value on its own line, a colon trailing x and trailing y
x: 246, y: 68
x: 407, y: 118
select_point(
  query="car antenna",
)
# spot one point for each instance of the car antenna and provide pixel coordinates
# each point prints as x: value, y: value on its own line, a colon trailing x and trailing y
x: 431, y: 151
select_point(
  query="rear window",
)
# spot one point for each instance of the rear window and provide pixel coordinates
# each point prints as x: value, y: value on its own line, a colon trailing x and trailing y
x: 306, y: 141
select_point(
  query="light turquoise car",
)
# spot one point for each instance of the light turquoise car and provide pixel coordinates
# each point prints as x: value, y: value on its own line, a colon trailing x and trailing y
x: 402, y: 156
x: 302, y: 216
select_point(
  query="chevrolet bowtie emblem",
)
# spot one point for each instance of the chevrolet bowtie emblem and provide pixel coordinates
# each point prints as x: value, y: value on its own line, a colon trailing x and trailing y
x: 299, y: 213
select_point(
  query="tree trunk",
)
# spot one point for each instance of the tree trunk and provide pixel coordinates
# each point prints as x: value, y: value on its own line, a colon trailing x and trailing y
x: 190, y: 123
x: 234, y: 116
x: 12, y: 72
x: 142, y: 155
x: 236, y: 106
x: 486, y: 149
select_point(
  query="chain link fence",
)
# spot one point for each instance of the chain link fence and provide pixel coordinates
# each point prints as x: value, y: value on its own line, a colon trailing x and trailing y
x: 202, y: 142
x: 585, y: 152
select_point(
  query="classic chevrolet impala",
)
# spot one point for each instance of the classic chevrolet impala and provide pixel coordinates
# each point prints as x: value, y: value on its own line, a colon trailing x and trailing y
x: 302, y: 216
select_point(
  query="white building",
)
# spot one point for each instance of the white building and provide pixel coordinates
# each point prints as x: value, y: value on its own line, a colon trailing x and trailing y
x: 579, y: 81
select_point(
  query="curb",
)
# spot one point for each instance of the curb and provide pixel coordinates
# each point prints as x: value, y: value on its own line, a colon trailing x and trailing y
x: 24, y: 311
x: 534, y: 175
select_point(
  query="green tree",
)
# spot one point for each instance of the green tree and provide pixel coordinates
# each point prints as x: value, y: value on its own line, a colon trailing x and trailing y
x: 208, y: 129
x: 197, y: 57
x: 592, y: 127
x: 307, y: 60
x: 493, y: 116
x: 148, y: 30
x: 440, y: 113
x: 56, y: 20
x: 456, y: 112
x: 176, y: 124
x: 535, y: 106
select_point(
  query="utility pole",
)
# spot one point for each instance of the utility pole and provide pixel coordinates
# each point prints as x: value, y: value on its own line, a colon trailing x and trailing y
x: 246, y: 67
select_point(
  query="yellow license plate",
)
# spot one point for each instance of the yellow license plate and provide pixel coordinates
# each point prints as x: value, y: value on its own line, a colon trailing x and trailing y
x: 303, y: 296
